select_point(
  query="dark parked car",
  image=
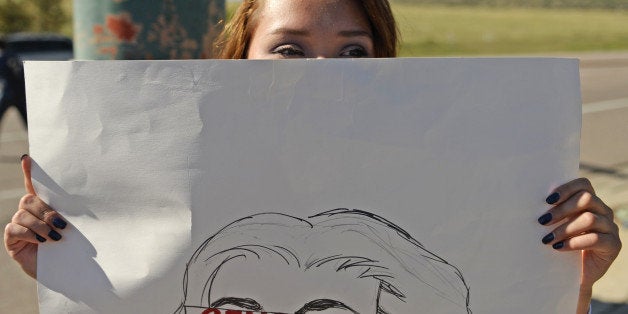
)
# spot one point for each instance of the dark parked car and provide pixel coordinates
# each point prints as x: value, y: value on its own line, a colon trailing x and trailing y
x: 19, y: 47
x: 36, y: 46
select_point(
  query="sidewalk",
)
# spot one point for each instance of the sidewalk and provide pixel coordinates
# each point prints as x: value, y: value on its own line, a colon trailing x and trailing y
x: 18, y: 292
x: 611, y: 185
x: 611, y: 292
x: 604, y: 159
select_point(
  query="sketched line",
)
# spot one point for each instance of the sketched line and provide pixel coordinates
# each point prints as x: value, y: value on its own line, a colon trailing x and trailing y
x: 451, y: 283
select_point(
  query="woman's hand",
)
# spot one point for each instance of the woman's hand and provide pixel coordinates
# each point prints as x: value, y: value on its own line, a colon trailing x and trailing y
x: 589, y: 226
x: 33, y: 223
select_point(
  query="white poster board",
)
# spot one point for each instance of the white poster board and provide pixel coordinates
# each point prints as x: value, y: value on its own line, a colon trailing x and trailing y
x: 240, y: 169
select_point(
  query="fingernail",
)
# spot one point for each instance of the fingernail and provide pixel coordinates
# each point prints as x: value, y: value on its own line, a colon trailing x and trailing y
x: 547, y: 217
x: 59, y: 223
x: 54, y: 235
x: 553, y: 198
x: 23, y: 156
x: 40, y: 238
x: 558, y: 245
x: 548, y: 238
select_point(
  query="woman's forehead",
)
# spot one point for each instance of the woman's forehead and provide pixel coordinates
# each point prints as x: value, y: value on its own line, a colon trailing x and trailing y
x: 318, y: 14
x: 326, y: 5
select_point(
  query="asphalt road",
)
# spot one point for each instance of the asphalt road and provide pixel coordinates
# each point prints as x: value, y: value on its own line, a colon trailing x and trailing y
x: 604, y: 78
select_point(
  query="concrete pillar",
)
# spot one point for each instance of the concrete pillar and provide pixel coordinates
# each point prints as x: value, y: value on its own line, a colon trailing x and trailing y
x: 146, y: 29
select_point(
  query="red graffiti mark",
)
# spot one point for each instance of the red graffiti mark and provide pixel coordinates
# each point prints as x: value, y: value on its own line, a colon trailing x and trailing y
x: 98, y: 29
x: 122, y: 26
x: 112, y: 51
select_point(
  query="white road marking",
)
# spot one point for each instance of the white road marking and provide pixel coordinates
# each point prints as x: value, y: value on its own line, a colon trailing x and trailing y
x: 605, y: 105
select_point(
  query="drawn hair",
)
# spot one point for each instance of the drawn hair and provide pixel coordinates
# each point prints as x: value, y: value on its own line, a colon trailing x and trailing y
x: 233, y: 42
x: 409, y: 275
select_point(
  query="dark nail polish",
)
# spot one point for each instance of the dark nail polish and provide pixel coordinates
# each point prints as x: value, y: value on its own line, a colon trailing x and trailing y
x: 548, y: 238
x: 553, y: 198
x: 54, y: 235
x: 558, y: 245
x: 547, y: 217
x: 23, y: 156
x: 40, y: 238
x: 59, y: 223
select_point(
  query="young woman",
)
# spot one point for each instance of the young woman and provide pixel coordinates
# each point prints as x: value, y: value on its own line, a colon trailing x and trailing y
x: 281, y: 29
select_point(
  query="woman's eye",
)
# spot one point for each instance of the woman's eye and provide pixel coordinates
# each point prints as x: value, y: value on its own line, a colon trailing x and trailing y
x: 354, y: 52
x: 289, y: 51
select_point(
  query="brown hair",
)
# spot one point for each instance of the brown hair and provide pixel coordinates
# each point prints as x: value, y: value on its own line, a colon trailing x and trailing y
x: 233, y: 42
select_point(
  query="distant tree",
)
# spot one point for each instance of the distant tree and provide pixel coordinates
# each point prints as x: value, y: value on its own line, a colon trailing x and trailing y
x: 14, y: 16
x: 51, y: 16
x: 35, y: 16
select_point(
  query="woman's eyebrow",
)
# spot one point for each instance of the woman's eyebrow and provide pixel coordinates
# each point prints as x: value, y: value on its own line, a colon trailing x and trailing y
x: 289, y: 31
x: 245, y: 303
x: 323, y: 304
x: 355, y: 33
x: 303, y: 32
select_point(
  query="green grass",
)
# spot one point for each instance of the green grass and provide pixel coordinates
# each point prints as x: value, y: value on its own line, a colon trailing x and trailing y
x: 462, y: 30
x: 584, y: 4
x: 428, y: 30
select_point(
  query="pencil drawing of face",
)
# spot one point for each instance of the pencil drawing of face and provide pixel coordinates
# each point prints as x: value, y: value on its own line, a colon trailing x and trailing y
x: 338, y: 261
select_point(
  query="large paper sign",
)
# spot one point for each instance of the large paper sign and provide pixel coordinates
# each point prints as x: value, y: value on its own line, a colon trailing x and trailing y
x: 332, y: 186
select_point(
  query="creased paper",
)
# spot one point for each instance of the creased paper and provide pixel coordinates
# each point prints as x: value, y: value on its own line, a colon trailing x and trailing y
x: 410, y: 185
